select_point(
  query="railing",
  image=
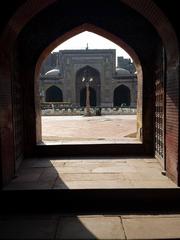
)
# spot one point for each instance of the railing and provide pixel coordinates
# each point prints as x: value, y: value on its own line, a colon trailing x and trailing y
x: 55, y: 105
x: 67, y: 109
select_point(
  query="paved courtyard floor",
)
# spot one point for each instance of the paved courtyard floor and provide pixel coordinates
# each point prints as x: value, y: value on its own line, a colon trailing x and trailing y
x: 95, y: 129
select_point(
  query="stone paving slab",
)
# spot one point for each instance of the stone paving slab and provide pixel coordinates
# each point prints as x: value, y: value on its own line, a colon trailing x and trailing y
x: 153, y: 184
x: 48, y: 174
x: 27, y: 228
x: 91, y: 176
x: 90, y: 227
x: 28, y: 175
x: 29, y: 185
x: 92, y: 184
x: 152, y: 227
x: 93, y: 164
x: 114, y: 169
x: 80, y: 169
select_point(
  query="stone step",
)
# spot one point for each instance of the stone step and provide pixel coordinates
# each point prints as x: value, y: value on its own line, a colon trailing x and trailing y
x: 90, y: 200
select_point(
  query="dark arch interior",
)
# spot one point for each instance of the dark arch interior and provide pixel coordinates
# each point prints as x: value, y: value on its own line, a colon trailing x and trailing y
x: 92, y: 92
x: 122, y: 96
x: 54, y: 94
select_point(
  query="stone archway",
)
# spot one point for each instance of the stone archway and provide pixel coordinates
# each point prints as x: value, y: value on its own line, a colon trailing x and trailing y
x: 14, y: 76
x: 95, y: 94
x: 54, y: 94
x: 93, y: 101
x: 122, y: 96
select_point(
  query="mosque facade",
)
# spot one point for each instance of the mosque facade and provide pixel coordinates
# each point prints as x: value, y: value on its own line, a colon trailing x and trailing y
x: 111, y: 85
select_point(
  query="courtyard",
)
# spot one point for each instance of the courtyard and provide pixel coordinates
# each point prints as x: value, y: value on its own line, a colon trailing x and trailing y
x: 93, y: 129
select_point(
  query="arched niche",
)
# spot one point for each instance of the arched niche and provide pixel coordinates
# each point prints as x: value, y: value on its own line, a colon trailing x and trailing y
x: 122, y: 96
x: 53, y: 94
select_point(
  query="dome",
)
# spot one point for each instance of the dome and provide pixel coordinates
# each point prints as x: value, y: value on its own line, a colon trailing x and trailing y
x: 53, y: 73
x: 122, y: 72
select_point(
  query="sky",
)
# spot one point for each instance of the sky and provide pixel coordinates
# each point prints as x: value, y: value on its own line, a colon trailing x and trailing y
x: 93, y: 40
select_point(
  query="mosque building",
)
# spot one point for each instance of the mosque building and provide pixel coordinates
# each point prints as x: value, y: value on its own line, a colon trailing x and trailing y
x: 62, y: 74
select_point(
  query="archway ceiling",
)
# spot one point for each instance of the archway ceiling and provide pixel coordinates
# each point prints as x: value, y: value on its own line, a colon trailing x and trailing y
x: 168, y: 8
x: 35, y: 6
x: 64, y: 16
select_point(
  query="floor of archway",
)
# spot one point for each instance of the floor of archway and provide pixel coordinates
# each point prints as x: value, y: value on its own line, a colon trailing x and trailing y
x: 89, y: 130
x: 114, y: 226
x: 90, y: 173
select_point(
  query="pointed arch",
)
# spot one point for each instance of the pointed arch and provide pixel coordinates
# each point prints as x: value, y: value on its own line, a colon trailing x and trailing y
x: 94, y: 29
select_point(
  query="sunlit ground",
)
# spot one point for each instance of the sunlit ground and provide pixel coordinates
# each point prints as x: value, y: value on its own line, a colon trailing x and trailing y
x: 94, y: 129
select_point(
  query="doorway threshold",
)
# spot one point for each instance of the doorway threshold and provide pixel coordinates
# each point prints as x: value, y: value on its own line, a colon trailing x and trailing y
x: 90, y: 173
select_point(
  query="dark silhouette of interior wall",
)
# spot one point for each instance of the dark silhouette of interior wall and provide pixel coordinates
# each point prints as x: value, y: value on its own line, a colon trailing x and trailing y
x: 33, y: 30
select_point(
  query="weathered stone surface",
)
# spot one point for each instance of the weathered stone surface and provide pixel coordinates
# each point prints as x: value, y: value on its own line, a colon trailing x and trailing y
x: 92, y: 227
x: 27, y: 228
x: 93, y: 173
x: 151, y: 227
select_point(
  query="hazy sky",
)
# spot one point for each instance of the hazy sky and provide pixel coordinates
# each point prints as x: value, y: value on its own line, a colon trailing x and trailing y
x: 94, y: 41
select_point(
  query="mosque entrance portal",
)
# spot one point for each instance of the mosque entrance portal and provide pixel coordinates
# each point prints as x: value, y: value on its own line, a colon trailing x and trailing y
x: 94, y: 86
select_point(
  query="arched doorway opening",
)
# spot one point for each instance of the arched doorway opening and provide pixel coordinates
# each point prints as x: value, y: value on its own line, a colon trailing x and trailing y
x: 54, y: 94
x: 95, y: 94
x: 92, y: 93
x: 102, y: 68
x: 99, y: 68
x: 122, y: 96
